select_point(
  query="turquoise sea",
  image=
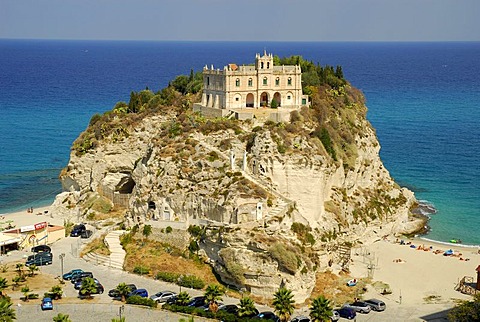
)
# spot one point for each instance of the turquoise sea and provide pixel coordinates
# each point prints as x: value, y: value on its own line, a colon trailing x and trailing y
x: 423, y: 100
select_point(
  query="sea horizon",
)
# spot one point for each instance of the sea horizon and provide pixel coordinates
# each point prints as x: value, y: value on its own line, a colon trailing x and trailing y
x: 421, y: 96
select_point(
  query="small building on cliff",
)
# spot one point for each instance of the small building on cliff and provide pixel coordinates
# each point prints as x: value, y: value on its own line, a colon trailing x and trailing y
x: 262, y: 85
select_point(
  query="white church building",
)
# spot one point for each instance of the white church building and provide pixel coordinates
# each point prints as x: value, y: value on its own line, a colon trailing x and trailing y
x: 258, y: 86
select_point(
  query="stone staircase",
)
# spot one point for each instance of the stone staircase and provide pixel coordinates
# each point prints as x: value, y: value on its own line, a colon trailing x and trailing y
x: 280, y: 208
x: 117, y: 254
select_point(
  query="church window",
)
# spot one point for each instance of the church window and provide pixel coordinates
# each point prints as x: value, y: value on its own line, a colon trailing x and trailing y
x: 208, y: 81
x: 237, y: 82
x: 277, y: 81
x: 250, y: 82
x: 264, y: 81
x: 289, y: 81
x: 261, y: 65
x: 268, y: 65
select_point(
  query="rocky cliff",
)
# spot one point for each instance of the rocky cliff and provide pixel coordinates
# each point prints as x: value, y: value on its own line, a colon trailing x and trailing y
x: 280, y: 198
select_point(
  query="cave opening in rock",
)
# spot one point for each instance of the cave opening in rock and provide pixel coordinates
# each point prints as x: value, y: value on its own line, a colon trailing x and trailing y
x: 151, y: 205
x: 125, y: 186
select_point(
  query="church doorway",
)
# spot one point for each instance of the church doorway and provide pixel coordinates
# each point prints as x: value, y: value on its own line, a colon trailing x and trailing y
x: 264, y: 99
x: 250, y: 100
x: 278, y: 98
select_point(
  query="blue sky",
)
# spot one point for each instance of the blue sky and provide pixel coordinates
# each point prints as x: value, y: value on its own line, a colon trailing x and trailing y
x: 239, y: 20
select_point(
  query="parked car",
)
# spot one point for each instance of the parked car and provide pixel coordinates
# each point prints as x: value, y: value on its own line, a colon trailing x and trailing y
x: 268, y: 316
x: 77, y: 230
x: 39, y: 259
x: 301, y: 319
x: 40, y: 255
x: 347, y: 313
x: 73, y: 272
x: 86, y: 234
x: 163, y: 296
x: 335, y: 316
x: 229, y: 308
x: 46, y: 304
x: 116, y: 294
x: 172, y: 300
x: 139, y: 292
x: 41, y: 248
x: 359, y: 306
x: 376, y: 305
x: 78, y: 284
x: 198, y: 301
x: 75, y: 275
x: 98, y: 290
x: 80, y: 276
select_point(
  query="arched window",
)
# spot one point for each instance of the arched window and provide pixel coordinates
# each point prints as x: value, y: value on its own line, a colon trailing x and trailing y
x: 277, y: 81
x: 261, y: 65
x: 265, y: 81
x: 268, y: 65
x: 250, y: 82
x: 237, y: 82
x: 208, y: 81
x: 289, y: 81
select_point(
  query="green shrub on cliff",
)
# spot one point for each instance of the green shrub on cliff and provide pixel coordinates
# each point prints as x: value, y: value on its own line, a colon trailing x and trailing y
x: 286, y: 259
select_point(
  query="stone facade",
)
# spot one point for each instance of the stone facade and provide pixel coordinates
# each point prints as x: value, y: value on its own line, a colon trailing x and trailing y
x: 253, y: 86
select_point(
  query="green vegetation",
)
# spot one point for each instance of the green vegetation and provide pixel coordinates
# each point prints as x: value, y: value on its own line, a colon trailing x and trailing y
x: 213, y: 294
x: 141, y: 270
x: 303, y: 233
x: 56, y: 292
x: 314, y: 75
x: 60, y: 317
x: 320, y: 310
x: 466, y: 311
x: 7, y: 313
x: 235, y: 269
x: 286, y: 258
x: 182, y: 280
x: 138, y: 300
x: 88, y: 287
x: 283, y: 303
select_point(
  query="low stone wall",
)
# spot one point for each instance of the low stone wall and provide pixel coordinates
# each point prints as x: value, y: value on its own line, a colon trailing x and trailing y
x: 210, y: 111
x: 177, y: 238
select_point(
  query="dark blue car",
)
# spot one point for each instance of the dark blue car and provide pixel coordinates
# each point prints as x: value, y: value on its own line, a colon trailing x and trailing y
x: 139, y: 292
x: 347, y: 313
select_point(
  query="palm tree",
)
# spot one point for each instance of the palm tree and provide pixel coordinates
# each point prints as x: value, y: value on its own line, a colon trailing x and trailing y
x: 25, y: 290
x: 183, y: 298
x: 62, y: 318
x: 123, y: 289
x: 7, y: 314
x: 32, y: 268
x: 3, y: 286
x: 247, y: 307
x: 283, y: 302
x: 19, y: 268
x: 88, y: 287
x: 16, y: 281
x: 56, y: 292
x: 320, y: 311
x: 213, y: 293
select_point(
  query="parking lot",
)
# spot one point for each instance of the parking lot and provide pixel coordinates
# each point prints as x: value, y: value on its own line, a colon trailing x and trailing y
x: 103, y: 308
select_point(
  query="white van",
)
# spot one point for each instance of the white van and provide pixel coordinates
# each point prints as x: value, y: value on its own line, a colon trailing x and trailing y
x: 376, y: 305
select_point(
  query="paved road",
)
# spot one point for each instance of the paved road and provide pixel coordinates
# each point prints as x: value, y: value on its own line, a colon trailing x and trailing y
x: 103, y: 308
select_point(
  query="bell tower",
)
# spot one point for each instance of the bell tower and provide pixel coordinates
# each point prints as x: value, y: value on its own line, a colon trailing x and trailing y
x: 264, y: 64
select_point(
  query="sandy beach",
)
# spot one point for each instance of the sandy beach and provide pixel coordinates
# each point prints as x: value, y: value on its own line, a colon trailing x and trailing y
x: 415, y: 276
x: 24, y: 218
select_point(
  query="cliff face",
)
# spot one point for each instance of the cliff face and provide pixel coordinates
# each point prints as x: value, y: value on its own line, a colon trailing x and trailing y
x: 321, y: 172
